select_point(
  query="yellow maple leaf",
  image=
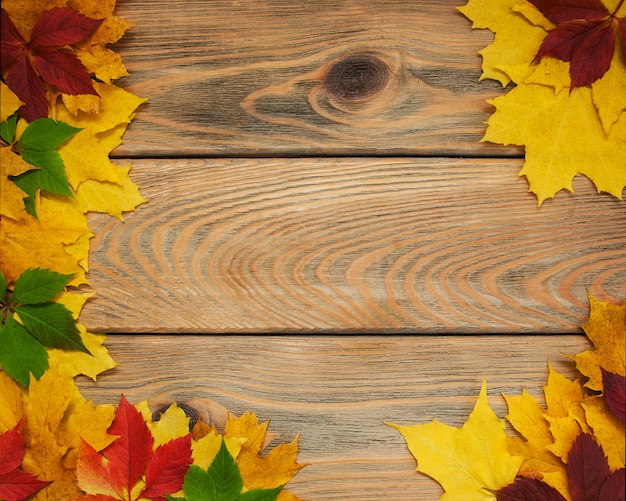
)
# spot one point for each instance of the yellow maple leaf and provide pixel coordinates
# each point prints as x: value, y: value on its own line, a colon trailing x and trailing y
x: 9, y: 102
x: 172, y: 423
x: 565, y: 133
x: 470, y: 463
x: 205, y: 448
x: 527, y: 417
x: 268, y: 472
x: 53, y: 241
x: 563, y: 136
x: 57, y: 418
x: 606, y: 329
x: 11, y: 409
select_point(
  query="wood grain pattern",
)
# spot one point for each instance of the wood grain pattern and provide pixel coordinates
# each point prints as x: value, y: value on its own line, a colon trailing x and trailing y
x: 352, y: 245
x: 249, y: 78
x: 336, y: 391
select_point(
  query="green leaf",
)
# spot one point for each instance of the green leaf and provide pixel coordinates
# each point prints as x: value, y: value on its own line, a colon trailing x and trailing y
x: 51, y: 324
x: 261, y: 494
x: 3, y: 287
x: 20, y: 353
x: 29, y: 183
x: 45, y: 134
x: 52, y: 176
x: 221, y: 482
x: 7, y: 129
x: 36, y: 286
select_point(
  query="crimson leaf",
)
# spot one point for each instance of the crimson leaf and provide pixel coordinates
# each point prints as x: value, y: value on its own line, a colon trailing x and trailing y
x: 15, y: 484
x: 587, y: 468
x: 615, y: 393
x: 62, y: 26
x: 167, y: 467
x: 64, y: 70
x: 584, y: 36
x: 11, y: 42
x: 528, y: 489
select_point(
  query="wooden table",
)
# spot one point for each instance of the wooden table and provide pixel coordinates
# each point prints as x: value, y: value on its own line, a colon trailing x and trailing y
x: 321, y: 210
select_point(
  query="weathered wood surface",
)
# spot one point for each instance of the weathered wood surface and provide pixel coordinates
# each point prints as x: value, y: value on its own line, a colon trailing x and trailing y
x: 272, y: 78
x: 384, y: 245
x: 337, y: 392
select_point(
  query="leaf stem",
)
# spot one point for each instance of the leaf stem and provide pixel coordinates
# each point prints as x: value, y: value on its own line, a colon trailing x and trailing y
x: 619, y: 5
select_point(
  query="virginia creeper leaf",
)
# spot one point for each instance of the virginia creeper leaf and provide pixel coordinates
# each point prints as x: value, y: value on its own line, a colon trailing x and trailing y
x: 615, y: 393
x: 35, y: 286
x: 20, y: 353
x: 167, y: 467
x: 15, y: 484
x: 55, y: 30
x: 584, y: 37
x: 3, y: 287
x: 52, y: 325
x: 62, y: 26
x: 7, y: 129
x: 587, y: 468
x: 51, y: 176
x: 45, y: 134
x: 528, y: 489
x: 614, y: 487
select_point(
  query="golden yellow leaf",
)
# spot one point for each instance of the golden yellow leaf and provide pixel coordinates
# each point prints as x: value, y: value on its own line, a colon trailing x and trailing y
x: 608, y: 430
x: 9, y: 102
x: 172, y: 423
x: 515, y: 43
x: 268, y: 472
x: 606, y: 329
x: 609, y: 92
x: 11, y: 409
x: 26, y: 13
x: 563, y: 136
x: 470, y: 463
x: 527, y: 417
x: 206, y: 448
x: 51, y: 242
x: 12, y: 200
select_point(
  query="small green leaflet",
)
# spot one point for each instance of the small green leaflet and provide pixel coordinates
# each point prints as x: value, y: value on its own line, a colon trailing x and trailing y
x: 42, y: 323
x: 221, y: 482
x: 37, y: 146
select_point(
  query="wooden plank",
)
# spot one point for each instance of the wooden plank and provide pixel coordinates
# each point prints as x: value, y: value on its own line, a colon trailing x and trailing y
x: 305, y: 77
x: 352, y: 245
x: 336, y: 391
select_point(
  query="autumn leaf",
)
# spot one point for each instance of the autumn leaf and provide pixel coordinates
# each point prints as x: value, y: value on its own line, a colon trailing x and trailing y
x: 221, y: 481
x: 529, y: 489
x: 470, y: 463
x: 15, y: 484
x: 43, y: 323
x: 566, y: 129
x: 590, y: 477
x: 129, y: 468
x: 55, y: 29
x: 584, y: 36
x: 615, y: 393
x: 606, y: 329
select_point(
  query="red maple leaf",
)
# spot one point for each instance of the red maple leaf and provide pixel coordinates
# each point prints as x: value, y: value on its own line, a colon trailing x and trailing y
x: 15, y: 484
x: 584, y: 36
x: 112, y: 474
x: 588, y: 472
x: 44, y: 58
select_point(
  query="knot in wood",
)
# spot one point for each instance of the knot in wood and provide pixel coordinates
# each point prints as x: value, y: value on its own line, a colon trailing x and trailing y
x: 356, y: 77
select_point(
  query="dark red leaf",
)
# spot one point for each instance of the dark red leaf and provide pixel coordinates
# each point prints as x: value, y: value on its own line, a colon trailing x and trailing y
x: 26, y: 84
x: 622, y: 28
x: 587, y: 468
x: 528, y: 489
x: 62, y: 26
x: 64, y: 70
x: 130, y: 453
x: 18, y: 485
x: 562, y: 11
x: 592, y: 57
x: 615, y: 393
x: 167, y: 468
x: 11, y: 42
x: 11, y: 449
x: 614, y: 487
